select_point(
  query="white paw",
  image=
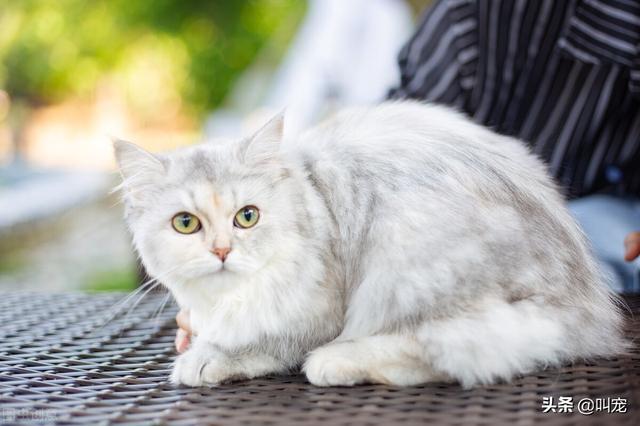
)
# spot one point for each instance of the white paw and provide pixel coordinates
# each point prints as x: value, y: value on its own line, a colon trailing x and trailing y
x: 199, y: 368
x: 187, y: 369
x: 330, y: 366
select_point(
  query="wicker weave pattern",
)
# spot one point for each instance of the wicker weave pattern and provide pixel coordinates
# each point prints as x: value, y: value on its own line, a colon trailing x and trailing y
x: 59, y: 365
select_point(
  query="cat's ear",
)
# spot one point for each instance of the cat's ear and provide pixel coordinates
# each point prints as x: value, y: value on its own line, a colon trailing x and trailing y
x: 138, y: 167
x: 265, y: 143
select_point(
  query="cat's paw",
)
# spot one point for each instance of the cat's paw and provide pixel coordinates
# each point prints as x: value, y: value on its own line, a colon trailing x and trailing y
x: 187, y: 369
x: 331, y: 366
x: 200, y: 368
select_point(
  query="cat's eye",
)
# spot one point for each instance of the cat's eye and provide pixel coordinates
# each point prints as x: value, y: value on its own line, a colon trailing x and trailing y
x: 246, y: 217
x: 185, y: 223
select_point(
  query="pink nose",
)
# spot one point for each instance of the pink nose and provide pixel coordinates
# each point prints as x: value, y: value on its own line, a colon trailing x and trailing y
x: 222, y: 253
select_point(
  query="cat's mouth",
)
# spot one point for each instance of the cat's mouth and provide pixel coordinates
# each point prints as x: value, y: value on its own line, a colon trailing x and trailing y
x: 207, y: 268
x: 224, y: 269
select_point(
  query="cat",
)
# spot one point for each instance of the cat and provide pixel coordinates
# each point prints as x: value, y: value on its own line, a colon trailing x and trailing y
x: 398, y: 244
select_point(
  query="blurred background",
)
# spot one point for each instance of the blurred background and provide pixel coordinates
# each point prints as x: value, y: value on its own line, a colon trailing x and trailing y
x: 162, y: 74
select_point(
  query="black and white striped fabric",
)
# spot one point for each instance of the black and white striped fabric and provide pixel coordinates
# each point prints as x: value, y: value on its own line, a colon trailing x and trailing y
x: 562, y: 75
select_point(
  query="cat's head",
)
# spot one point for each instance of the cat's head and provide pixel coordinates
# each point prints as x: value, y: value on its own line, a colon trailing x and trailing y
x: 212, y: 214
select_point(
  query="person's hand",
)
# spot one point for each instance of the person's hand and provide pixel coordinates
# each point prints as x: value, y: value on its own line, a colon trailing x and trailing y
x: 183, y: 335
x: 632, y: 246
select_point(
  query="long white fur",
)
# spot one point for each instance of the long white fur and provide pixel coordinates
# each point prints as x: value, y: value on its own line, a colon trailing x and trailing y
x: 399, y: 244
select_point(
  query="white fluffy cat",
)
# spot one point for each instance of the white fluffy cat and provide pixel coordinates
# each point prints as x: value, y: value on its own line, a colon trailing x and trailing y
x: 396, y: 244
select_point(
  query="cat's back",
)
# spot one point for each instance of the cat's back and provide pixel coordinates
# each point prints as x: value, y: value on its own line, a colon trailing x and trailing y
x: 403, y: 144
x: 426, y: 181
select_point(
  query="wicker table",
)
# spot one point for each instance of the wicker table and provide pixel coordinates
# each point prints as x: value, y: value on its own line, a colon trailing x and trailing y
x: 60, y: 364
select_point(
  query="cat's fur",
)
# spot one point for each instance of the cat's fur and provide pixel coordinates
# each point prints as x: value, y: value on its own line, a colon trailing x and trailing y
x: 398, y: 244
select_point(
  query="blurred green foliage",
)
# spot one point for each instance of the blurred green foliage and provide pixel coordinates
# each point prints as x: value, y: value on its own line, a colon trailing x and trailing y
x: 112, y: 280
x: 51, y: 49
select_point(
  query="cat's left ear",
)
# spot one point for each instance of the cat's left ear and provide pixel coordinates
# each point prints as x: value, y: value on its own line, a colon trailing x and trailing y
x: 265, y: 143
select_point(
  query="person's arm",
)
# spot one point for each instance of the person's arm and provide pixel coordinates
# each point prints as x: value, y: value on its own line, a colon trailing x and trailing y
x: 183, y: 335
x: 439, y: 63
x: 632, y: 246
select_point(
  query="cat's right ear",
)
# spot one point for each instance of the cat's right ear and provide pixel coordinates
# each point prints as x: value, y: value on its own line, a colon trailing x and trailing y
x: 264, y: 145
x: 138, y: 168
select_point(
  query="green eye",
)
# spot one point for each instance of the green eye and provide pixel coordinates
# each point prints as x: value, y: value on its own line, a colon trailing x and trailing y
x: 185, y: 223
x: 246, y: 217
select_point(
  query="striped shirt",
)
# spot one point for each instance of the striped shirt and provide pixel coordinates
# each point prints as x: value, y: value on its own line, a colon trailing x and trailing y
x: 561, y: 75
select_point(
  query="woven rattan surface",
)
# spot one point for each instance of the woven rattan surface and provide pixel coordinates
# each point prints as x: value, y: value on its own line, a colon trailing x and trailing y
x: 60, y: 364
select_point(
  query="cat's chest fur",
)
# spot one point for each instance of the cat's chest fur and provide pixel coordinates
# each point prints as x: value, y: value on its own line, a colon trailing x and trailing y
x: 255, y: 308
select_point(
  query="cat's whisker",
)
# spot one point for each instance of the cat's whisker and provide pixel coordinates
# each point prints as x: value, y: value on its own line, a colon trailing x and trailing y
x: 113, y: 311
x: 116, y: 307
x: 158, y: 312
x: 146, y: 287
x: 139, y: 299
x: 156, y: 283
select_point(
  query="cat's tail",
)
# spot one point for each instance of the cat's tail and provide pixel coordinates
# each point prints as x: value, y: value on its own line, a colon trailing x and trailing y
x: 504, y: 339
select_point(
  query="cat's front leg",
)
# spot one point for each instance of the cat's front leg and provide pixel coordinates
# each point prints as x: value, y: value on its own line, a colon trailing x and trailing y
x: 389, y: 359
x: 205, y: 364
x: 189, y: 368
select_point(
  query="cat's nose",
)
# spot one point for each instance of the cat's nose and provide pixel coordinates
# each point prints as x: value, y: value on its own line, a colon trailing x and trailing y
x: 222, y: 253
